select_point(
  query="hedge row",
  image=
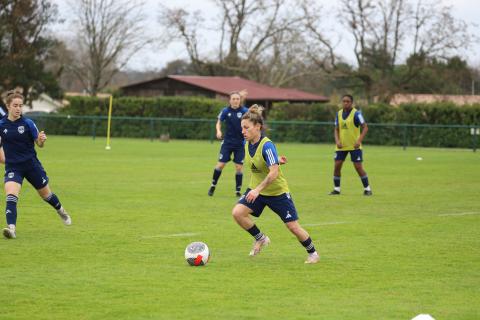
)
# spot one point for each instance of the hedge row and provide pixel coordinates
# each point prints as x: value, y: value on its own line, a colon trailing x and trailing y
x: 306, y: 123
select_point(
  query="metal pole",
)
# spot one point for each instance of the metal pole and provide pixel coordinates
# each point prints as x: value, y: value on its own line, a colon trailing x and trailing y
x: 405, y: 128
x: 151, y: 130
x: 475, y: 136
x: 94, y: 128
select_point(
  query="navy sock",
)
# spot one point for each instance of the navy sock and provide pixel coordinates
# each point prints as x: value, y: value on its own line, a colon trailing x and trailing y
x: 336, y: 181
x: 216, y: 176
x: 255, y: 232
x: 52, y: 199
x: 364, y: 181
x: 11, y: 209
x: 308, y: 244
x: 238, y: 180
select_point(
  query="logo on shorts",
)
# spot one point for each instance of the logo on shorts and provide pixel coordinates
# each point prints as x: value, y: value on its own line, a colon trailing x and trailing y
x: 10, y: 175
x: 5, y: 131
x: 44, y: 180
x: 288, y: 215
x: 359, y: 159
x: 239, y: 115
x: 220, y: 156
x: 21, y: 129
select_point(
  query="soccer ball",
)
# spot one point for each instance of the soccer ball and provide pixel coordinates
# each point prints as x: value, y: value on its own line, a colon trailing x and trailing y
x: 197, y: 254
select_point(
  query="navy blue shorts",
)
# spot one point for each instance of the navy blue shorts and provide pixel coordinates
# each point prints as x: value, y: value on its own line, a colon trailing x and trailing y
x: 355, y: 155
x: 31, y: 170
x: 282, y: 205
x: 226, y: 151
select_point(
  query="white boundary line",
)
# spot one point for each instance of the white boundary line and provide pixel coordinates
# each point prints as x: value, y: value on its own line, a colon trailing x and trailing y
x: 187, y: 234
x: 458, y: 214
x: 324, y: 223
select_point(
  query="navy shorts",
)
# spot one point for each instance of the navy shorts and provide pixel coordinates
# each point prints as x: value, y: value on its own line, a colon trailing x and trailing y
x: 355, y: 155
x: 282, y: 205
x: 226, y: 151
x: 31, y: 170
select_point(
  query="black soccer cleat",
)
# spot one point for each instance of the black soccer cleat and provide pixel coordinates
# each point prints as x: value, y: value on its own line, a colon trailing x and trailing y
x: 367, y: 193
x: 211, y: 191
x: 334, y: 193
x: 238, y: 194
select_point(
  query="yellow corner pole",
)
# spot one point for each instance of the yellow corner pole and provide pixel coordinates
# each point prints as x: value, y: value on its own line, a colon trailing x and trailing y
x: 109, y: 123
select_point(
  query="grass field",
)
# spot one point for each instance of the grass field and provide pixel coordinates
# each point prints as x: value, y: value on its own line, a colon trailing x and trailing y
x: 414, y: 247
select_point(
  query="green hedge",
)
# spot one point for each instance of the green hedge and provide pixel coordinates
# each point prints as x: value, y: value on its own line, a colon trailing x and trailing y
x: 286, y: 122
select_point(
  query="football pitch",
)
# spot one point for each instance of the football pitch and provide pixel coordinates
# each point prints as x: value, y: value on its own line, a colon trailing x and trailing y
x: 411, y: 248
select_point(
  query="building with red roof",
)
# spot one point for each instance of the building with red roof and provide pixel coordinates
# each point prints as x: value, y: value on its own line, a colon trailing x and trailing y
x: 218, y: 88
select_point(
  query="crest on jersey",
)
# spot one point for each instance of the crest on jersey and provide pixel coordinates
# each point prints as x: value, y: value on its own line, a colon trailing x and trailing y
x: 21, y: 129
x: 239, y: 115
x: 229, y: 114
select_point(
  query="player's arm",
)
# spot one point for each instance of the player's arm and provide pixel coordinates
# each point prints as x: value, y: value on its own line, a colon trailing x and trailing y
x: 2, y: 155
x: 336, y: 134
x: 363, y: 132
x: 40, y: 141
x: 218, y: 126
x: 271, y: 176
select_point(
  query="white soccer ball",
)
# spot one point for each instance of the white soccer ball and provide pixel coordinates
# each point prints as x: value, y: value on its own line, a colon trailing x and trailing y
x: 197, y: 254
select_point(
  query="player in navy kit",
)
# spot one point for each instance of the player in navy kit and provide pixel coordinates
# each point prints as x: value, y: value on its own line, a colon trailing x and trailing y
x: 233, y: 141
x: 18, y: 137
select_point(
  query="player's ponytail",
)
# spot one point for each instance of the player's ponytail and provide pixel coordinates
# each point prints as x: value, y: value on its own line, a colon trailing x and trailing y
x: 254, y: 114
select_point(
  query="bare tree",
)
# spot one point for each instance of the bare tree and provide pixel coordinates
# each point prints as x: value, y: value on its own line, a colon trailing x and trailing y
x: 251, y: 33
x: 109, y: 34
x: 381, y: 30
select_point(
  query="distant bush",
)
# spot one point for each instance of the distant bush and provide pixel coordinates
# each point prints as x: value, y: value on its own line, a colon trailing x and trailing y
x: 286, y: 122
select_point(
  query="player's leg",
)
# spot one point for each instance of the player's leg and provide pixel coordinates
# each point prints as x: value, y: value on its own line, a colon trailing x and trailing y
x: 241, y: 214
x: 304, y: 238
x: 39, y: 180
x: 357, y: 159
x: 51, y: 198
x: 12, y: 190
x: 284, y: 207
x: 238, y: 179
x: 223, y: 158
x: 337, y: 171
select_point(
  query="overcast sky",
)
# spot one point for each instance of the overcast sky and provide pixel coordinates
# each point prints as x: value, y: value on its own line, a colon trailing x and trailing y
x: 157, y: 57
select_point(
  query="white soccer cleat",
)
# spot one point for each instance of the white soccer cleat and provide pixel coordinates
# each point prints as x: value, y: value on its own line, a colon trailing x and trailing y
x: 9, y: 233
x: 258, y: 245
x: 64, y: 216
x: 312, y: 258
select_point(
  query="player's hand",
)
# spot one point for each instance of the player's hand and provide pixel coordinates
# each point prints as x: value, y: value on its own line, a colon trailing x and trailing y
x: 282, y: 160
x: 252, y: 195
x: 42, y: 136
x: 339, y: 145
x: 219, y: 135
x: 356, y: 145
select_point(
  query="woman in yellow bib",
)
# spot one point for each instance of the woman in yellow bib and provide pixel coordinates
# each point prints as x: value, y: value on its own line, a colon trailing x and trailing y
x: 268, y: 187
x: 348, y: 139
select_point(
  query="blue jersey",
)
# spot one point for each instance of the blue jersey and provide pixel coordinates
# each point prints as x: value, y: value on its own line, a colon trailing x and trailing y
x: 357, y: 118
x: 18, y: 139
x: 233, y: 119
x: 269, y: 152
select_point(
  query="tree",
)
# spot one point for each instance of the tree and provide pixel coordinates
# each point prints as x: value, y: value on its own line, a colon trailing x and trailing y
x: 24, y: 45
x: 258, y: 39
x: 109, y: 34
x: 381, y: 29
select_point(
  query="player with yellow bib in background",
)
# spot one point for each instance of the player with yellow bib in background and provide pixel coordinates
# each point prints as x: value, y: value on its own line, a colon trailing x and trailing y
x: 267, y: 188
x: 348, y: 139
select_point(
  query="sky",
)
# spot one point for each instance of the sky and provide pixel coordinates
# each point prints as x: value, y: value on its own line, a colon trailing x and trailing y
x: 157, y: 56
